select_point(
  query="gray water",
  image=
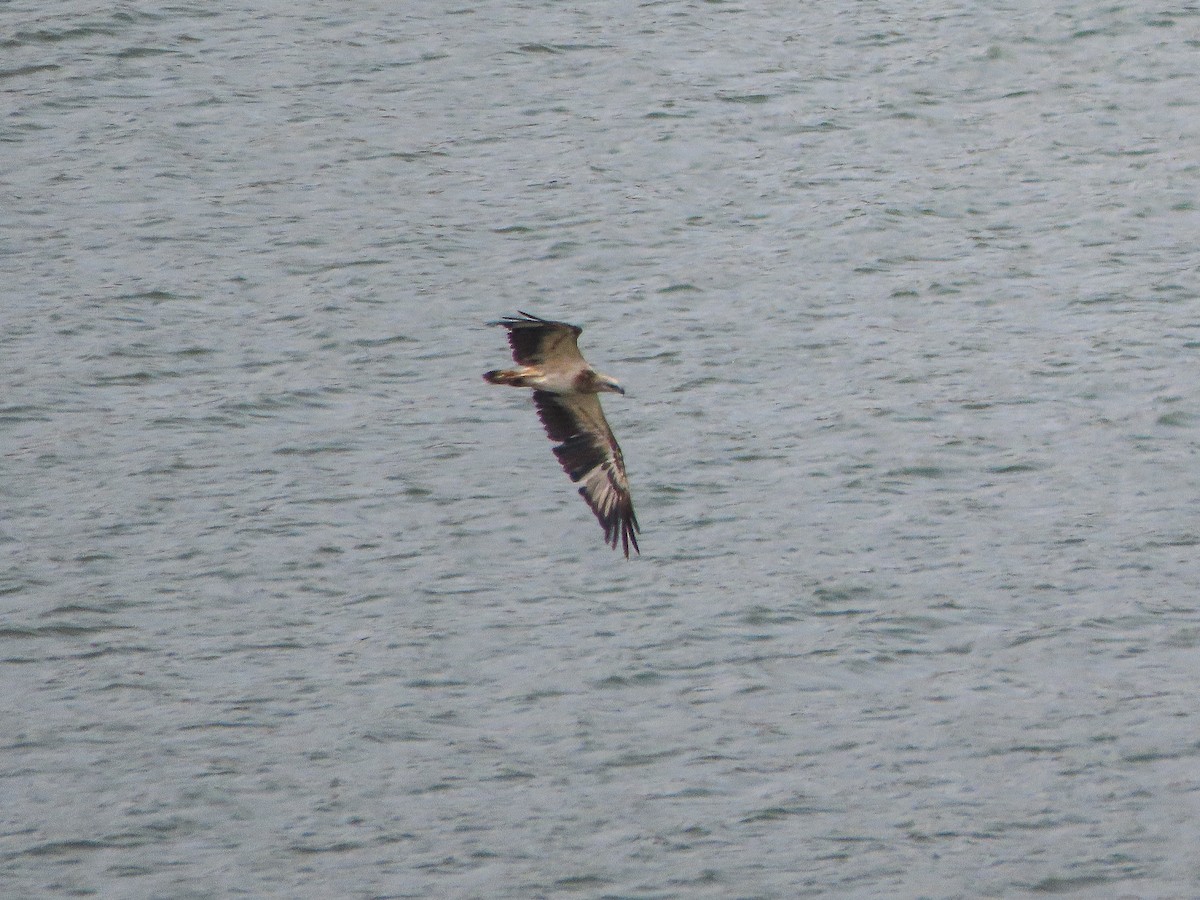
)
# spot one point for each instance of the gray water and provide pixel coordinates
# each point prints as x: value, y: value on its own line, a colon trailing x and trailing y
x: 904, y: 297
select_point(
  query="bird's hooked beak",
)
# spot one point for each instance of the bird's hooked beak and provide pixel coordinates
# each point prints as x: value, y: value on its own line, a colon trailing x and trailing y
x: 610, y: 384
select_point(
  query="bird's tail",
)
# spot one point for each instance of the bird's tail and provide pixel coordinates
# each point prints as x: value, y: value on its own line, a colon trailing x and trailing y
x: 506, y: 376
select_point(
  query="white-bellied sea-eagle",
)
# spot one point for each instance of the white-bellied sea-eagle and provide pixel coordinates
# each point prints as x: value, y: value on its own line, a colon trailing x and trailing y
x: 565, y: 392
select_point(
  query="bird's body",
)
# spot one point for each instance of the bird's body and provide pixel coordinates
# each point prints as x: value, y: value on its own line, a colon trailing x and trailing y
x: 564, y: 391
x: 538, y: 379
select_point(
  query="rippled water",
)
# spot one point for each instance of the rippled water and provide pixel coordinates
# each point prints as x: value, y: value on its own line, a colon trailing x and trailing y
x: 904, y: 297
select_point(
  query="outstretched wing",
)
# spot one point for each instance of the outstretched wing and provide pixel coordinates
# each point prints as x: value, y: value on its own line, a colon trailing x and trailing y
x: 589, y: 454
x: 536, y: 341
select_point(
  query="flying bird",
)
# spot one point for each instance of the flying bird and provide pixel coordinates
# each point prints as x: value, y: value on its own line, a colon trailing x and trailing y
x: 565, y: 390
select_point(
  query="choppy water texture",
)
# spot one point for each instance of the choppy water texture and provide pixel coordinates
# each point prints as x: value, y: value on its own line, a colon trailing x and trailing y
x: 905, y: 299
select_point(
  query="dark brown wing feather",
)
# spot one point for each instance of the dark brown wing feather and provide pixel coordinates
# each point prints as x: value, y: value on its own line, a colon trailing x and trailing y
x: 533, y: 340
x: 589, y: 453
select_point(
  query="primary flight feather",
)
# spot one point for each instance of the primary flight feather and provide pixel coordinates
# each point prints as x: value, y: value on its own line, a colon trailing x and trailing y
x: 565, y: 392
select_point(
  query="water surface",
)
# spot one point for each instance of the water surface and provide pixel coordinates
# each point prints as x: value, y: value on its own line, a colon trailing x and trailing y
x: 904, y: 300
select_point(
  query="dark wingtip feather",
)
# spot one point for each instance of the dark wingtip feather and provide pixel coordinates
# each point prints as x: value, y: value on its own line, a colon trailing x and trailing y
x: 629, y: 526
x: 511, y: 321
x: 532, y: 321
x: 620, y: 526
